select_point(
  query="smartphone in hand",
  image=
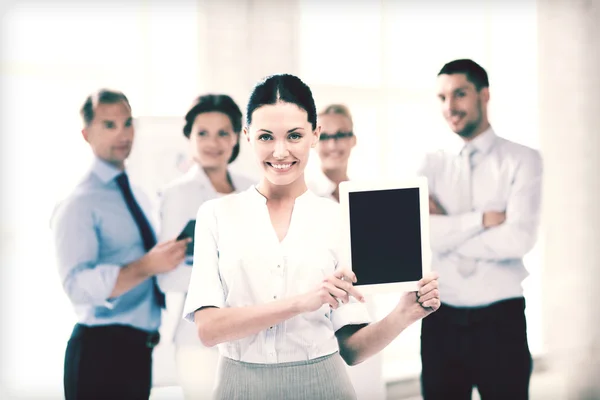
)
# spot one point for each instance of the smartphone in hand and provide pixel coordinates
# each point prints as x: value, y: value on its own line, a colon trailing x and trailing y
x: 188, y: 232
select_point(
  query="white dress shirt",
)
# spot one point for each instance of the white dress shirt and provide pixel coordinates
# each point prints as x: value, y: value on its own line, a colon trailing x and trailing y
x: 180, y: 201
x: 506, y: 176
x: 239, y: 261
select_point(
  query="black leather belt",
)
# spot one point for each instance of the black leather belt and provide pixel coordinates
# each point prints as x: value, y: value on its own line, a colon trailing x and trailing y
x: 118, y: 332
x: 466, y: 316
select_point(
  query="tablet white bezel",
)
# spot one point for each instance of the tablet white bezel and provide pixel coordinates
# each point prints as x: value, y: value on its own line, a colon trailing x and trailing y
x: 420, y: 183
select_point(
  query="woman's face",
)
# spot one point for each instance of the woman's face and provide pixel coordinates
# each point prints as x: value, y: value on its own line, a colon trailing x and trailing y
x: 281, y: 138
x: 212, y: 140
x: 336, y: 144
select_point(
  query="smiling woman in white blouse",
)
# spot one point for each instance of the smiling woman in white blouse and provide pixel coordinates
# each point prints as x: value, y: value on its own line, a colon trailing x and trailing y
x: 269, y: 284
x: 213, y: 126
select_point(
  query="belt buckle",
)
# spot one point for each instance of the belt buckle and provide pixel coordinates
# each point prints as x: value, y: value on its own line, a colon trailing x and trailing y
x: 152, y: 340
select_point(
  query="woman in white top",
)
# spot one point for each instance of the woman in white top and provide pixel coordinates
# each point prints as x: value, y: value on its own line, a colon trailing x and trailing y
x: 213, y: 126
x: 269, y: 284
x: 336, y: 142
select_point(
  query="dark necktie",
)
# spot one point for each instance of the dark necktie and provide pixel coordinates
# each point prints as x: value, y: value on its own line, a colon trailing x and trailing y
x: 142, y: 224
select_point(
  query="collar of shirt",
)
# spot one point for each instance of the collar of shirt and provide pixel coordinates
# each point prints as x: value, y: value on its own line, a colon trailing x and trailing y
x: 105, y: 171
x: 259, y: 198
x: 199, y: 175
x: 482, y: 143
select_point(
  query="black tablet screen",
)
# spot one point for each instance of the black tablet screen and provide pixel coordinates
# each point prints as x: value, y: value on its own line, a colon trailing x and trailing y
x: 385, y: 231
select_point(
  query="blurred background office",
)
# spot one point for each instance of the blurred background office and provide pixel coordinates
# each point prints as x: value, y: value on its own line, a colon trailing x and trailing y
x: 380, y: 58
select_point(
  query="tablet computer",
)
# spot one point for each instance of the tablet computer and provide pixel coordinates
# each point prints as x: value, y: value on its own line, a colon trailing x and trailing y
x: 386, y: 233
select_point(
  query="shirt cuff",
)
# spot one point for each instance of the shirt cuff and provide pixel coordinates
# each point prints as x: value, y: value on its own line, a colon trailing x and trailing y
x: 353, y: 313
x: 109, y: 274
x: 192, y: 304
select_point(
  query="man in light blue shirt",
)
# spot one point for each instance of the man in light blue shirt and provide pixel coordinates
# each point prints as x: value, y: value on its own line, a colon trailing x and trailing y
x: 108, y: 258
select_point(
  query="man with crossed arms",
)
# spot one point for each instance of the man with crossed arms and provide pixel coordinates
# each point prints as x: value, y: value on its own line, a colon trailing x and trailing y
x: 485, y: 207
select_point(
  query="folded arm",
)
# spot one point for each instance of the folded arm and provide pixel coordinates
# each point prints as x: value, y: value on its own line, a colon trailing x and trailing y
x: 446, y: 231
x: 518, y: 234
x: 449, y: 231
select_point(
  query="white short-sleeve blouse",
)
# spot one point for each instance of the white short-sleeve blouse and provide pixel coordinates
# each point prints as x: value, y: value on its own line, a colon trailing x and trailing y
x: 239, y: 261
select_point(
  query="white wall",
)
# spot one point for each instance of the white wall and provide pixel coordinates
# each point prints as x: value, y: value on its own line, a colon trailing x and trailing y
x: 569, y: 79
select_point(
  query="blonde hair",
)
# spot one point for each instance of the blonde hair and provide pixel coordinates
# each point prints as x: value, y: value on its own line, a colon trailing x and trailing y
x: 338, y: 109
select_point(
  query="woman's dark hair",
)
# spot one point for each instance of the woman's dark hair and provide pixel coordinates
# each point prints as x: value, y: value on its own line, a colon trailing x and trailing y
x: 282, y: 88
x: 216, y: 103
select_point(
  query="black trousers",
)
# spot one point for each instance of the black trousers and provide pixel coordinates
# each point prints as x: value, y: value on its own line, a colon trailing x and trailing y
x: 486, y: 347
x: 109, y: 362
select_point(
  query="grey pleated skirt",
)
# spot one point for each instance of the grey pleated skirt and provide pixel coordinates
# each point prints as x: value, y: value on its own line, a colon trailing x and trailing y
x: 324, y: 378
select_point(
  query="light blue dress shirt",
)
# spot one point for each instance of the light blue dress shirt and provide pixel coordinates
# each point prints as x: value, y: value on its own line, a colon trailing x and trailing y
x: 95, y: 236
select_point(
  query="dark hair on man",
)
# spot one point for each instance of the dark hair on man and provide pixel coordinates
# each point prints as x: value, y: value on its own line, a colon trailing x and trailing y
x: 282, y: 88
x: 102, y: 96
x: 216, y: 103
x: 473, y: 71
